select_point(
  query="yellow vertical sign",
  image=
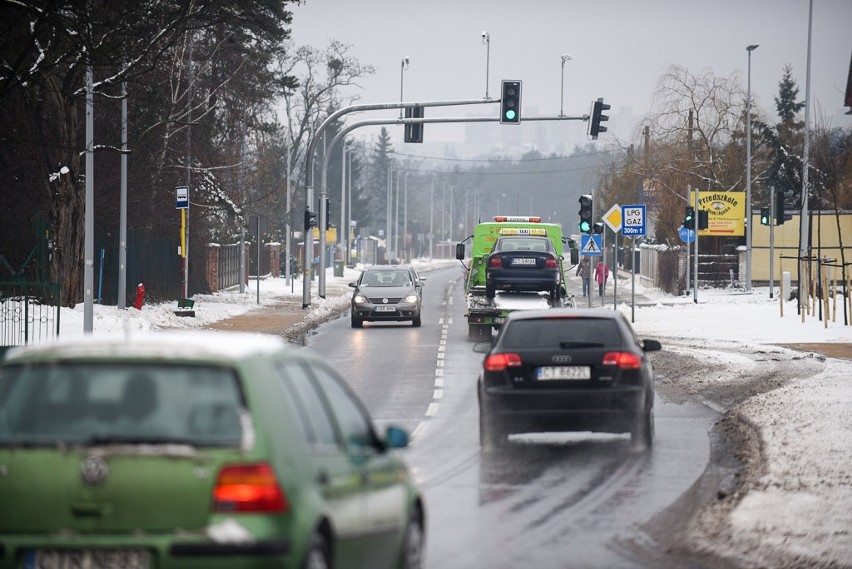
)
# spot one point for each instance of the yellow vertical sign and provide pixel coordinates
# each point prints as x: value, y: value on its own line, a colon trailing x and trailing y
x: 183, y: 233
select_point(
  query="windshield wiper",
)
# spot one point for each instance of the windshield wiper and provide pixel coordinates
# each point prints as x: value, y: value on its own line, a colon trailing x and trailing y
x: 566, y: 345
x: 98, y: 440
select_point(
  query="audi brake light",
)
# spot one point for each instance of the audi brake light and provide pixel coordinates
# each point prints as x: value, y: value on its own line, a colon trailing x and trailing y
x: 499, y: 362
x: 624, y: 360
x: 248, y: 488
x: 550, y: 263
x: 495, y: 261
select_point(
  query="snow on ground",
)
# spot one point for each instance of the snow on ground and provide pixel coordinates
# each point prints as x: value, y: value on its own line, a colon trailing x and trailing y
x: 799, y: 512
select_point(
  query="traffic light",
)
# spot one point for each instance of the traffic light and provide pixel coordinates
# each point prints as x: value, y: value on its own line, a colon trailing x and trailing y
x: 327, y: 214
x: 310, y: 219
x: 597, y: 117
x: 510, y: 102
x: 689, y: 217
x: 597, y: 228
x: 414, y: 131
x: 703, y: 220
x: 585, y: 213
x: 780, y: 202
x: 764, y: 216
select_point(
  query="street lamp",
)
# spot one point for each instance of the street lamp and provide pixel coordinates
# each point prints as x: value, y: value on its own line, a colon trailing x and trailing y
x: 749, y: 49
x: 486, y: 41
x: 565, y: 57
x: 403, y: 65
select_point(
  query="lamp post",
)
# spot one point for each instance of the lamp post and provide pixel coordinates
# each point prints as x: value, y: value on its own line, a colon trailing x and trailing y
x: 749, y: 49
x: 403, y: 65
x: 565, y: 57
x: 486, y: 41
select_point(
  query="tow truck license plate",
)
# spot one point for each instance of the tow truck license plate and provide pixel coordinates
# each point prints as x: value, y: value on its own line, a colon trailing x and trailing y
x: 523, y: 261
x: 91, y: 558
x: 564, y: 372
x: 386, y: 309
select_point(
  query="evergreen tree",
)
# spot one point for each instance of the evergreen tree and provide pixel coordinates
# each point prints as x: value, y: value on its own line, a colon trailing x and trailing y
x: 785, y: 140
x: 789, y: 128
x: 375, y: 189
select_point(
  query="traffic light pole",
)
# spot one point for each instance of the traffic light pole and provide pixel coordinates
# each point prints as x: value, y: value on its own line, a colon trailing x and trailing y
x: 306, y: 298
x: 772, y: 213
x: 309, y: 178
x: 695, y: 288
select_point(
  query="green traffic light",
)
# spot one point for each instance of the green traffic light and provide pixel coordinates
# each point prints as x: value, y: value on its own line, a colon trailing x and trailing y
x: 510, y: 115
x: 585, y: 226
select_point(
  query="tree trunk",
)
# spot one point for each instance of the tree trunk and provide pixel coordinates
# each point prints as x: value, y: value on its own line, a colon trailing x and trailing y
x: 58, y: 119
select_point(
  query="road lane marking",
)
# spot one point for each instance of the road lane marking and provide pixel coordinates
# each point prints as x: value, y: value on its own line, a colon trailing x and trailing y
x: 432, y: 410
x: 439, y: 382
x: 438, y: 394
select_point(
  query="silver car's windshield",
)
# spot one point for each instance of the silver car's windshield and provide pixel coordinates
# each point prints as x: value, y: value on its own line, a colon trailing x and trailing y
x: 92, y: 404
x: 386, y: 278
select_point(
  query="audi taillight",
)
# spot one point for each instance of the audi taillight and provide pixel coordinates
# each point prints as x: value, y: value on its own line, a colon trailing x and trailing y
x: 550, y: 263
x: 248, y: 488
x: 624, y: 360
x: 499, y: 362
x: 495, y: 261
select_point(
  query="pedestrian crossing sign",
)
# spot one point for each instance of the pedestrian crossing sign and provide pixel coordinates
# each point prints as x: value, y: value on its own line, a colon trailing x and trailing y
x: 590, y: 244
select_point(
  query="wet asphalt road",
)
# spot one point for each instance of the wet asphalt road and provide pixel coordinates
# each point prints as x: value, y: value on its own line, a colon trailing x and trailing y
x: 552, y: 500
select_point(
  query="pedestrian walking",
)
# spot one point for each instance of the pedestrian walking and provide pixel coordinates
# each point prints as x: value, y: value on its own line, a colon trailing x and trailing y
x: 584, y: 271
x: 601, y: 276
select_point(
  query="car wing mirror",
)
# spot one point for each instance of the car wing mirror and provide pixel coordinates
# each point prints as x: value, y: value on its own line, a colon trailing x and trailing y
x: 651, y: 345
x: 353, y: 284
x: 396, y: 437
x: 482, y: 347
x: 460, y: 251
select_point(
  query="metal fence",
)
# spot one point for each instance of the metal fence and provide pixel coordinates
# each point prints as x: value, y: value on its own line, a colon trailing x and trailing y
x: 229, y: 266
x: 29, y: 312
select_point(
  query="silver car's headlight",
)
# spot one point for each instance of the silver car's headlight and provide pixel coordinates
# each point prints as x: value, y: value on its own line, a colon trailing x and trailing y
x: 359, y: 299
x: 411, y: 298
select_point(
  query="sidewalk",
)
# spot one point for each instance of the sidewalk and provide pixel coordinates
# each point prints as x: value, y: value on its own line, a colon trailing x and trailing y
x: 286, y: 317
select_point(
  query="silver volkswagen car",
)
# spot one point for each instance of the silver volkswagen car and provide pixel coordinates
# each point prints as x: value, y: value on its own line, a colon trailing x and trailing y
x: 387, y: 293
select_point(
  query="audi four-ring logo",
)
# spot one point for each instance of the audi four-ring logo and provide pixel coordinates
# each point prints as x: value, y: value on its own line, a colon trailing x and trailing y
x: 561, y: 359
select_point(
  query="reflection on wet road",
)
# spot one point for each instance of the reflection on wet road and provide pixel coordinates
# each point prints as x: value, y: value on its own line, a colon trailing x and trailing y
x: 550, y: 500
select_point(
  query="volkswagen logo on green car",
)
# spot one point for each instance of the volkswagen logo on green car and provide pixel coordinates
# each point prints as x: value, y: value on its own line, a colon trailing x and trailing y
x: 196, y: 449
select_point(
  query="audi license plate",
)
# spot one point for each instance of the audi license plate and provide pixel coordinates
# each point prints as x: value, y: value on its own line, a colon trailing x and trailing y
x: 386, y: 309
x: 523, y: 261
x: 564, y: 372
x: 89, y: 558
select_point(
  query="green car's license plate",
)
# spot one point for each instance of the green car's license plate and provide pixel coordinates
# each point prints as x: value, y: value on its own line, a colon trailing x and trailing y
x: 88, y: 558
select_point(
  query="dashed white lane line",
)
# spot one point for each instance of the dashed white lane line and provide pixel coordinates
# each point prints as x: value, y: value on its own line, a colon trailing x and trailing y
x: 438, y: 393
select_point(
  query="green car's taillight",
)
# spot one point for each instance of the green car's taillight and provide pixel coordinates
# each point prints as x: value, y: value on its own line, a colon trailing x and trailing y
x: 248, y: 488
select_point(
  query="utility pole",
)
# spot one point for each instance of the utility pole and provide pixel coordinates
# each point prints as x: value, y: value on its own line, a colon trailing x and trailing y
x: 122, y: 235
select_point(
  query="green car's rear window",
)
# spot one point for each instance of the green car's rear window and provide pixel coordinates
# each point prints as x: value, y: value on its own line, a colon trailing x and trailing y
x: 90, y: 404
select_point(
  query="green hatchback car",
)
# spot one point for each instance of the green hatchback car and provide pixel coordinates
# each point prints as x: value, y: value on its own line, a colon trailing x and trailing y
x: 196, y: 449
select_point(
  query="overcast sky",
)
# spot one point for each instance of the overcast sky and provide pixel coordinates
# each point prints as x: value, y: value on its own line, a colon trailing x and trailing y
x: 620, y: 48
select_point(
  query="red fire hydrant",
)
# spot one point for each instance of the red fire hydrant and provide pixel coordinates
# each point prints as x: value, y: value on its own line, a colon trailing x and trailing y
x: 140, y: 296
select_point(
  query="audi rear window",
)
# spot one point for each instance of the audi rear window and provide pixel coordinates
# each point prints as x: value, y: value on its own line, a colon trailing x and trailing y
x: 560, y: 333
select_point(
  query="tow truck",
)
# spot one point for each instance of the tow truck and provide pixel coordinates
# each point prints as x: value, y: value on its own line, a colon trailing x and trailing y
x: 484, y: 313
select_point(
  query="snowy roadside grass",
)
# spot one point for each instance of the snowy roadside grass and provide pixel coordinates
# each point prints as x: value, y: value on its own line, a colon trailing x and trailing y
x: 806, y: 430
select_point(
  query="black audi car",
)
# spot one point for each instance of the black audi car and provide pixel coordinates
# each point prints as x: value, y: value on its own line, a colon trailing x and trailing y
x: 523, y: 263
x: 566, y: 369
